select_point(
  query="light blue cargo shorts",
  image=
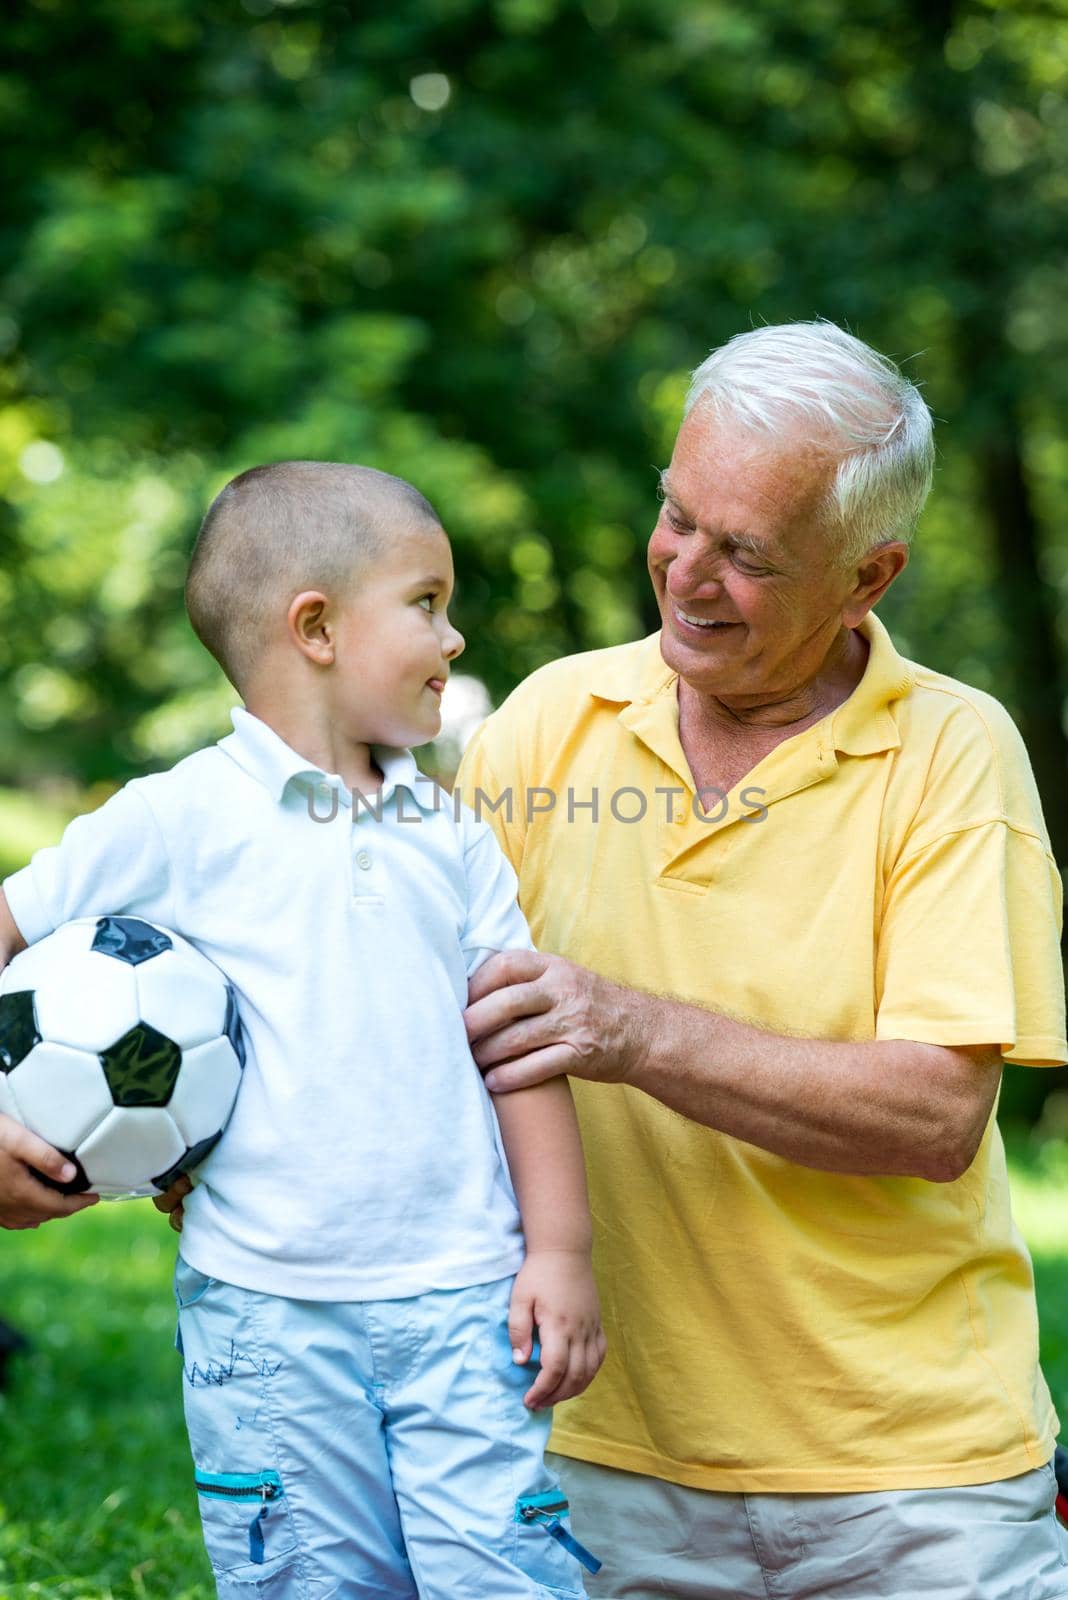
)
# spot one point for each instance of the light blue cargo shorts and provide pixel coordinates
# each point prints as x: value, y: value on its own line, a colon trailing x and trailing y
x: 368, y: 1449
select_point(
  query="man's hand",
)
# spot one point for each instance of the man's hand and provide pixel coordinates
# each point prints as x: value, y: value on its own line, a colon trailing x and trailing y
x: 554, y: 1292
x: 170, y: 1201
x: 25, y: 1202
x: 545, y: 1016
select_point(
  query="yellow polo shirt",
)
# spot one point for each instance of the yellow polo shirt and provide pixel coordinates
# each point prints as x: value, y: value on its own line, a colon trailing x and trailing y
x: 885, y: 874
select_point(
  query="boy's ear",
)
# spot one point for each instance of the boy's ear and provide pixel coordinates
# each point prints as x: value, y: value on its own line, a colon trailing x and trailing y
x: 309, y: 624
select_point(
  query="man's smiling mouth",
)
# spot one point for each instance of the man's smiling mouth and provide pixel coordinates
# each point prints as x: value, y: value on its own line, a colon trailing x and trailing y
x: 709, y: 623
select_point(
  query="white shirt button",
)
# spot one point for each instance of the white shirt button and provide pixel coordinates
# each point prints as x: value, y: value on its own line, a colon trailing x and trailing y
x: 363, y: 860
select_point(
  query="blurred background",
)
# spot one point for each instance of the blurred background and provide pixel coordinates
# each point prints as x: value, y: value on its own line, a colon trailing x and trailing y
x: 481, y: 243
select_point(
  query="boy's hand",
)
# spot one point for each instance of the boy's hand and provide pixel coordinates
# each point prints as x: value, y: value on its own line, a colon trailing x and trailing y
x: 25, y: 1202
x: 170, y: 1201
x: 554, y: 1292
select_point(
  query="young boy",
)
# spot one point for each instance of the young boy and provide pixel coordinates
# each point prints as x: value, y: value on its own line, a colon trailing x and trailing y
x: 356, y: 1312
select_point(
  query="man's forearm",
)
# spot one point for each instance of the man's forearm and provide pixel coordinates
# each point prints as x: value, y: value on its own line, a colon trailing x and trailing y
x: 890, y: 1107
x: 541, y: 1141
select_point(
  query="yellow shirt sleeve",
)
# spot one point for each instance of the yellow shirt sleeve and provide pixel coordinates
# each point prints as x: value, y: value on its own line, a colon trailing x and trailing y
x: 965, y: 953
x: 499, y: 804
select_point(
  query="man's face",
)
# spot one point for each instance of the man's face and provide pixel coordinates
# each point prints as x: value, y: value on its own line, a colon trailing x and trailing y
x: 395, y: 641
x: 749, y: 597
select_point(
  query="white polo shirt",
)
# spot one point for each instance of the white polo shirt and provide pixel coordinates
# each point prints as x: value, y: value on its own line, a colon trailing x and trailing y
x: 363, y: 1159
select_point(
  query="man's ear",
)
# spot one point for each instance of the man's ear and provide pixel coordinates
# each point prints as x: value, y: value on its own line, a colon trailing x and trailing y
x: 309, y: 624
x: 874, y: 575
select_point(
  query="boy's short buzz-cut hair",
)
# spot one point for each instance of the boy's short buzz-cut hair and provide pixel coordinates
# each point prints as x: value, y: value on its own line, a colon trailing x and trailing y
x: 278, y: 529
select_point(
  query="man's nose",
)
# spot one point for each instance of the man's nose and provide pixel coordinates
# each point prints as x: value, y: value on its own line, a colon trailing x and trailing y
x: 693, y: 578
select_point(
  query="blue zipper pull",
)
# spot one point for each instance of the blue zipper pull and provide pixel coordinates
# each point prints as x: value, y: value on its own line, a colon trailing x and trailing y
x: 255, y: 1531
x: 556, y: 1528
x: 255, y: 1537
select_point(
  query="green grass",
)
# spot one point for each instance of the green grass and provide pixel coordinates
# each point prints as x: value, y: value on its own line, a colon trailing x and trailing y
x: 96, y: 1497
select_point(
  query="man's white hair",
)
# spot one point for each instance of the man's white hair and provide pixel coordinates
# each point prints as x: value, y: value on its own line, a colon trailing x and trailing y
x: 814, y: 374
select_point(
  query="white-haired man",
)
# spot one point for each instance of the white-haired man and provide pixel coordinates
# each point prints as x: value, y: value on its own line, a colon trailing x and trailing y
x: 812, y: 896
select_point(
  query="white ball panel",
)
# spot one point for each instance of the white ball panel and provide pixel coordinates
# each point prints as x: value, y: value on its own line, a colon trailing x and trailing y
x: 182, y: 996
x: 60, y: 1093
x: 8, y: 1108
x: 131, y: 1145
x: 49, y: 955
x: 183, y: 946
x: 89, y: 1003
x: 205, y: 1090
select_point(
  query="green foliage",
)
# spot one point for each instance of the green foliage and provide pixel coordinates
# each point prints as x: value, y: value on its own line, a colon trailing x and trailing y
x: 480, y: 244
x: 27, y: 824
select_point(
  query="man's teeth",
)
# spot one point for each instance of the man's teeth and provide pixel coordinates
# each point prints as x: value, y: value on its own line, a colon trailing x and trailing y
x: 699, y: 622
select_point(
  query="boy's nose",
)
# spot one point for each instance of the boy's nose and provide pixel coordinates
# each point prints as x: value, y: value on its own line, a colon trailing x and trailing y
x: 455, y: 644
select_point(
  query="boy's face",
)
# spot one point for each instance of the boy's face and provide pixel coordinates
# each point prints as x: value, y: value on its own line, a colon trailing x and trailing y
x: 395, y: 641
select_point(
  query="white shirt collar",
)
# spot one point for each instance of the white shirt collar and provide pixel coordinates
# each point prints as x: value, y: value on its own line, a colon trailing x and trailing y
x: 265, y: 756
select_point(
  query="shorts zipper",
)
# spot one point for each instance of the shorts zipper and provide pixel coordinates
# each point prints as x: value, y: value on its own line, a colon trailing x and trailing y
x: 267, y: 1490
x: 261, y: 1486
x: 544, y: 1511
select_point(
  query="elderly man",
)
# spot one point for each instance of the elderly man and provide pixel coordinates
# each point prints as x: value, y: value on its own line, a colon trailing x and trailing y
x: 812, y: 896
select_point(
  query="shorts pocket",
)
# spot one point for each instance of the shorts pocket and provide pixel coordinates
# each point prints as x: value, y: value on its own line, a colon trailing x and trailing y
x: 546, y: 1549
x: 189, y: 1287
x: 246, y: 1519
x: 189, y: 1284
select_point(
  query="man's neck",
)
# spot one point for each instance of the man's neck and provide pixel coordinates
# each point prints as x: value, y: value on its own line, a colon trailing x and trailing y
x: 797, y: 707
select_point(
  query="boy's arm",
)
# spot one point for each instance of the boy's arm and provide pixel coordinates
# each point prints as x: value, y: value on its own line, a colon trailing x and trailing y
x: 554, y: 1289
x: 109, y: 861
x: 24, y: 1202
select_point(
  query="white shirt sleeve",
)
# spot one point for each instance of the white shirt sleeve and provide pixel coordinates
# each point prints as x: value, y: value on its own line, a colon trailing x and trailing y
x: 494, y: 920
x: 111, y: 862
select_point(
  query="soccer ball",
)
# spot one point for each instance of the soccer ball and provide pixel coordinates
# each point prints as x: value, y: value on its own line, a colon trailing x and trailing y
x: 119, y: 1044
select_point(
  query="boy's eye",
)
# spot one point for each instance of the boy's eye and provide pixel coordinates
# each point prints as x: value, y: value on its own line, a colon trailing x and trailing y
x: 426, y: 601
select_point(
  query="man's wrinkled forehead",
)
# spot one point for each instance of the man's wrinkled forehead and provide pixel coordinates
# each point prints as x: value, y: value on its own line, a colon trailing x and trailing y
x: 756, y: 478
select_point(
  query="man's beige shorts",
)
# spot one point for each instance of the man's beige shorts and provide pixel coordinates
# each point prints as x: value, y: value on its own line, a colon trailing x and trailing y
x: 994, y: 1541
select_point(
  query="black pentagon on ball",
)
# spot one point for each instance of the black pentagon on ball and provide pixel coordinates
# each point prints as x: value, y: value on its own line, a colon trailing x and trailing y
x: 192, y: 1158
x: 77, y: 1185
x: 129, y: 939
x: 18, y: 1028
x: 232, y: 1028
x: 142, y: 1067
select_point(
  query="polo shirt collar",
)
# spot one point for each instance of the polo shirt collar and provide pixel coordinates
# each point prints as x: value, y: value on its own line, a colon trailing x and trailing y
x: 865, y: 724
x: 862, y: 725
x: 266, y: 757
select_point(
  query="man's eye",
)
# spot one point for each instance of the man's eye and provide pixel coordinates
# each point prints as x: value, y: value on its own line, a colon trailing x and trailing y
x: 678, y: 522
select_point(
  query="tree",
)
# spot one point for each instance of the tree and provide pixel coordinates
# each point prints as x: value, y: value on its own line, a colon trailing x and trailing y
x: 480, y: 244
